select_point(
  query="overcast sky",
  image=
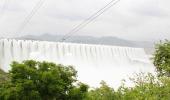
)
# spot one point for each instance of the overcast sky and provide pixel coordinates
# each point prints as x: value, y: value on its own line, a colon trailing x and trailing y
x: 130, y: 19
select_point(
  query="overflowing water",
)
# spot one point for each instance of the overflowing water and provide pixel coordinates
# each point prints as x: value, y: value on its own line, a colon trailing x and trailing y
x: 93, y: 62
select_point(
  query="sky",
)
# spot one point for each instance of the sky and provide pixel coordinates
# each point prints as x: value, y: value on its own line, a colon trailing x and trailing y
x: 141, y: 20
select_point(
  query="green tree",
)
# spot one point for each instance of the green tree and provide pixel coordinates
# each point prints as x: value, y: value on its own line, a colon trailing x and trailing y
x: 3, y: 76
x: 162, y: 58
x: 104, y: 92
x: 79, y: 92
x: 147, y: 87
x: 31, y: 80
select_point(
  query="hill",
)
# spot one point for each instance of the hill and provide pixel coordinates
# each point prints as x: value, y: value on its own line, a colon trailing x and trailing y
x: 148, y: 46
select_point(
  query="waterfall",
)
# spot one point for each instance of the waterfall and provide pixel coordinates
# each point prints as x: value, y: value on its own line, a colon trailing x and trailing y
x: 93, y: 62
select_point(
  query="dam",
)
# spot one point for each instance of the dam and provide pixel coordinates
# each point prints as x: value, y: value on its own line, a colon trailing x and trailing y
x: 93, y: 62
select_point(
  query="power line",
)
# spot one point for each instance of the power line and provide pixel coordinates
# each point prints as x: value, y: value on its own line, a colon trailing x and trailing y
x: 31, y: 14
x: 90, y: 19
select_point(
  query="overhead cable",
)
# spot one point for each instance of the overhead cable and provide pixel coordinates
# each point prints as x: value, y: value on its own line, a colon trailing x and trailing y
x: 30, y: 16
x: 89, y: 20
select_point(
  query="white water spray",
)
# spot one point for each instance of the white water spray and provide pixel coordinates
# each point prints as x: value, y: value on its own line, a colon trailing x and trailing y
x: 93, y: 62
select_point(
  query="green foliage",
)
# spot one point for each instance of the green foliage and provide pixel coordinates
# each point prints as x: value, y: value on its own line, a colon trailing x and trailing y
x: 102, y: 93
x: 147, y: 88
x: 78, y: 92
x: 3, y: 76
x: 31, y: 80
x: 162, y: 58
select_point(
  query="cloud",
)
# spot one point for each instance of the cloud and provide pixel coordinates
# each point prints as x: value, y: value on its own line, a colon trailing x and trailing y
x: 150, y: 8
x: 129, y: 19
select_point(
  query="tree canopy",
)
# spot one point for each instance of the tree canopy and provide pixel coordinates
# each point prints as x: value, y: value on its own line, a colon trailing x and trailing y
x: 31, y: 80
x: 162, y: 58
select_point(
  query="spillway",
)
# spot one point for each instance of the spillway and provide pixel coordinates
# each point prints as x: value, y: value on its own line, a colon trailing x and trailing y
x: 93, y: 62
